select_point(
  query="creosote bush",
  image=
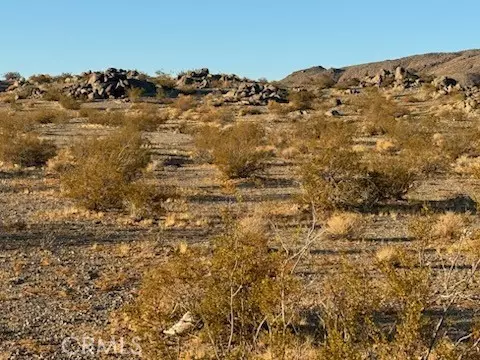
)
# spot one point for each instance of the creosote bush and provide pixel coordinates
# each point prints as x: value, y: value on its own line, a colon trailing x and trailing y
x: 237, y: 150
x: 104, y: 172
x: 237, y: 294
x: 20, y: 145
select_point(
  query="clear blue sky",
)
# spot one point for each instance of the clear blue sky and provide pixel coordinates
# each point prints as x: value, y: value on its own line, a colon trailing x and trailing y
x: 254, y: 38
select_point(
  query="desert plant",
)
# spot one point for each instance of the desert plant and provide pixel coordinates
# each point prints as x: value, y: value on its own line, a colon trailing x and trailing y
x: 104, y: 168
x: 221, y: 115
x: 52, y: 94
x: 278, y: 108
x: 236, y: 150
x: 164, y: 80
x: 147, y: 200
x: 45, y: 116
x: 40, y: 79
x: 184, y: 103
x: 240, y: 293
x: 343, y: 225
x: 301, y: 100
x: 25, y: 149
x: 69, y: 103
x: 19, y: 144
x: 380, y: 113
x: 392, y: 177
x: 134, y: 94
x: 336, y: 179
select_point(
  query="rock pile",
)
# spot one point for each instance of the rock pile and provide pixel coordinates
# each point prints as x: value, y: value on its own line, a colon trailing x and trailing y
x: 445, y: 85
x: 110, y: 84
x: 400, y: 79
x: 202, y: 79
x: 256, y: 94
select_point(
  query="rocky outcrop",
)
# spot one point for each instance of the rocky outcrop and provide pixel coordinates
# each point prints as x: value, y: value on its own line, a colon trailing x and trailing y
x: 202, y: 79
x: 255, y: 93
x: 110, y: 84
x: 400, y: 78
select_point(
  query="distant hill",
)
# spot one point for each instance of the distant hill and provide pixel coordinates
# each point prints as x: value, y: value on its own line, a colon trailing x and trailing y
x: 463, y: 66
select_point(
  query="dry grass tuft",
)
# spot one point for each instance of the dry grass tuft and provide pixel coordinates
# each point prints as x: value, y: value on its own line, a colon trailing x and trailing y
x: 344, y: 225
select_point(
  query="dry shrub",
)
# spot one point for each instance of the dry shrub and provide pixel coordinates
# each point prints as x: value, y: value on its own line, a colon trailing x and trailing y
x: 241, y: 293
x: 344, y: 225
x: 236, y: 150
x: 104, y: 169
x: 251, y: 110
x: 221, y: 115
x: 25, y: 149
x: 301, y: 100
x: 352, y: 300
x: 146, y: 117
x: 386, y: 146
x: 278, y: 108
x: 380, y: 113
x: 69, y: 103
x: 184, y: 103
x: 61, y: 162
x: 164, y: 80
x: 134, y: 94
x: 20, y: 145
x: 319, y: 133
x: 336, y: 180
x: 48, y: 116
x: 392, y: 176
x: 449, y: 226
x: 389, y: 255
x: 40, y: 78
x: 461, y: 143
x: 453, y: 115
x: 52, y: 94
x: 8, y: 98
x: 147, y: 200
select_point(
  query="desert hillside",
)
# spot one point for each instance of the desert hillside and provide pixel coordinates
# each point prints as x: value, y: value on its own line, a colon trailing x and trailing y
x: 463, y: 66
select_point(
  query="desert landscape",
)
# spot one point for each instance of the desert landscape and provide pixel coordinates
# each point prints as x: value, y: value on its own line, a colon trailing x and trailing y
x: 329, y: 215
